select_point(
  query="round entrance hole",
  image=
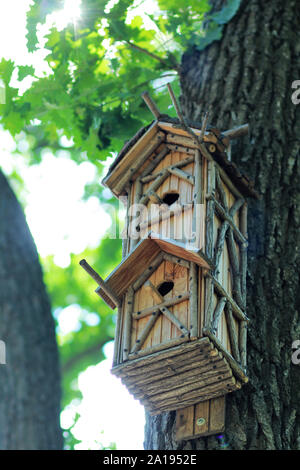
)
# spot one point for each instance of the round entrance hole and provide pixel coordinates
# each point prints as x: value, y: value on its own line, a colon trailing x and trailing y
x: 170, y: 198
x: 165, y: 287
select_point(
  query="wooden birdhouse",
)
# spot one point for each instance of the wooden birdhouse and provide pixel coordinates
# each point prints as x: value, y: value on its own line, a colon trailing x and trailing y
x: 180, y: 289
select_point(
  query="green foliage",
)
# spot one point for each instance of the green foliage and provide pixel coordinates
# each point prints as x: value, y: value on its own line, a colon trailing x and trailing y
x: 99, y: 68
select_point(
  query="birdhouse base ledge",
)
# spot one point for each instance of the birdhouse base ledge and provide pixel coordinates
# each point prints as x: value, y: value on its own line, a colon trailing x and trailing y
x: 178, y: 377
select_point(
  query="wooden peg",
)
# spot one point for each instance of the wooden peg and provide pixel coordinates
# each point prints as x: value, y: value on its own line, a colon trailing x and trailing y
x: 175, y: 104
x: 104, y: 286
x: 237, y: 131
x: 151, y: 105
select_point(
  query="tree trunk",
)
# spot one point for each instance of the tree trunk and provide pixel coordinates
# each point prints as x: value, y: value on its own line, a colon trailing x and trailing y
x: 247, y: 77
x: 29, y: 381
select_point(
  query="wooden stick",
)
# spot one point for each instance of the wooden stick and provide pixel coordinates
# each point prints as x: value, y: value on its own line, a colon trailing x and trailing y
x: 219, y: 209
x: 212, y: 135
x: 165, y: 311
x: 244, y: 213
x: 181, y: 163
x: 220, y: 243
x: 188, y: 142
x: 156, y: 294
x: 200, y: 145
x: 180, y: 148
x: 167, y: 303
x: 154, y: 186
x: 126, y: 240
x: 116, y: 356
x: 237, y: 131
x: 154, y: 197
x: 235, y: 268
x: 147, y: 273
x: 221, y: 291
x: 175, y: 104
x: 236, y: 206
x: 233, y: 364
x: 175, y: 260
x: 243, y: 271
x: 204, y: 125
x: 209, y: 291
x: 232, y: 333
x: 182, y: 174
x: 155, y: 160
x: 221, y: 191
x: 217, y: 314
x: 198, y: 185
x: 140, y: 159
x: 158, y: 347
x: 178, y: 209
x: 151, y: 105
x: 128, y: 323
x: 193, y: 300
x: 243, y: 343
x: 137, y: 197
x: 150, y: 177
x: 108, y: 291
x: 210, y: 210
x: 223, y: 229
x: 229, y: 183
x: 197, y: 198
x: 146, y: 330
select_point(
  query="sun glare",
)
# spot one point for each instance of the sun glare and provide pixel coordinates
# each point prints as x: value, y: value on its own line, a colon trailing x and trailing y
x: 70, y: 13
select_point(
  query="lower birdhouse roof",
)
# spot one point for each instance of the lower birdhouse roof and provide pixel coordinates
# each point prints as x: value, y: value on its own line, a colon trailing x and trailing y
x: 144, y: 143
x: 141, y: 257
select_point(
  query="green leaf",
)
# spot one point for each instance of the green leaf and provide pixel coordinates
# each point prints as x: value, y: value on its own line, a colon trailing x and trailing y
x: 24, y: 71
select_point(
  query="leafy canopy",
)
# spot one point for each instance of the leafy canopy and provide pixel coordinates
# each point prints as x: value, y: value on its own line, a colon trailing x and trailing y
x: 99, y: 66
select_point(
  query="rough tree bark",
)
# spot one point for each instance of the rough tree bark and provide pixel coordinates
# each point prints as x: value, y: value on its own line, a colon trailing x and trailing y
x: 29, y: 381
x: 247, y: 77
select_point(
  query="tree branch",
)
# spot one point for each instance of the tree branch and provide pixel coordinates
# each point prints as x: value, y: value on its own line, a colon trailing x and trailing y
x: 150, y: 54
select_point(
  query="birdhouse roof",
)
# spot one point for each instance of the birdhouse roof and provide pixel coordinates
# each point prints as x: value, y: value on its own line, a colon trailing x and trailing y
x: 141, y: 257
x: 143, y: 144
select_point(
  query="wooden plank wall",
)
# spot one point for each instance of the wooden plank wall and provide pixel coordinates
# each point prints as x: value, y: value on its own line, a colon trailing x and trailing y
x: 224, y: 269
x: 163, y: 329
x: 182, y: 224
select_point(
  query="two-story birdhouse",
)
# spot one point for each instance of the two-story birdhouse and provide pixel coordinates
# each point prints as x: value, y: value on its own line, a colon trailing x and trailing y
x: 180, y: 289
